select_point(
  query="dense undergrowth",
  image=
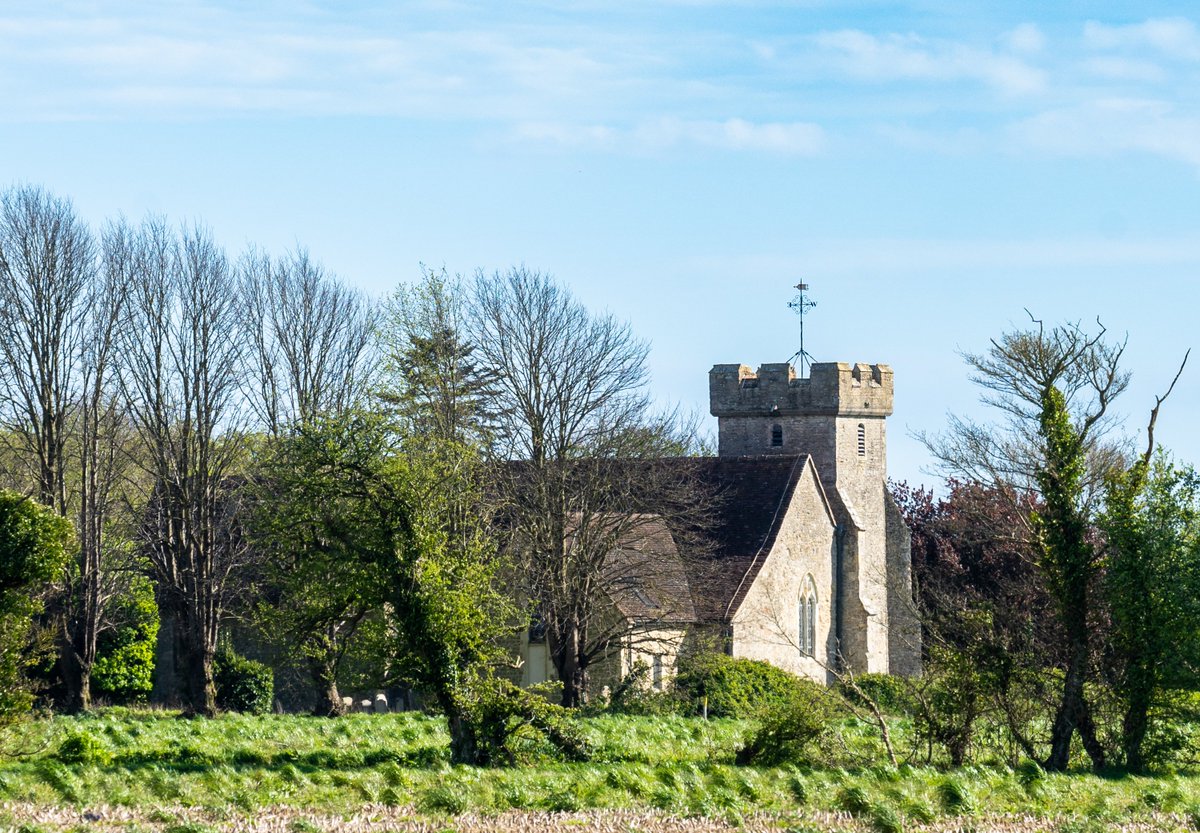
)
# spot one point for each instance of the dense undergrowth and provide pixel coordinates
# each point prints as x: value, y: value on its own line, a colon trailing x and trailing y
x: 685, y: 766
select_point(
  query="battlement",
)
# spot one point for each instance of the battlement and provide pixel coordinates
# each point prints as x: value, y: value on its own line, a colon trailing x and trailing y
x: 832, y: 389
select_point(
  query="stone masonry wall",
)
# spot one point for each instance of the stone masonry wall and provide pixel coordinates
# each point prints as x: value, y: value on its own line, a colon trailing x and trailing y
x: 904, y: 625
x: 767, y: 624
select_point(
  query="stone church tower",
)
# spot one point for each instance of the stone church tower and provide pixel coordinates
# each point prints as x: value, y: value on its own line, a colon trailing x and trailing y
x: 838, y: 416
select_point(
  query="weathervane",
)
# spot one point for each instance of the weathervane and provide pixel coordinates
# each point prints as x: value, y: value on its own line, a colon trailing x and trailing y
x: 801, y: 305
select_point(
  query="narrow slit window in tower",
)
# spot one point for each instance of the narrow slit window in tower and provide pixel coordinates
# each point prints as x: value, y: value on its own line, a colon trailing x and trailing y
x: 776, y: 436
x: 862, y: 440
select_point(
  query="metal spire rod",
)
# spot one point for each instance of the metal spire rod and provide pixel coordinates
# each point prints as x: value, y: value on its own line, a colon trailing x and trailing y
x: 800, y: 305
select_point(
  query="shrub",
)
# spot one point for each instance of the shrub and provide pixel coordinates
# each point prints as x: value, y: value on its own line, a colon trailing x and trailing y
x: 445, y: 798
x: 243, y: 685
x: 892, y: 694
x: 735, y: 687
x: 853, y: 800
x: 33, y: 548
x: 124, y: 668
x: 84, y: 748
x: 790, y: 731
x: 635, y: 696
x: 509, y: 723
x: 885, y: 819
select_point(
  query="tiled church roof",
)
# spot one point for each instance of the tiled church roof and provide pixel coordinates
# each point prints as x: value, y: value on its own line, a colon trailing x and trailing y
x: 749, y: 498
x: 646, y: 577
x: 693, y: 554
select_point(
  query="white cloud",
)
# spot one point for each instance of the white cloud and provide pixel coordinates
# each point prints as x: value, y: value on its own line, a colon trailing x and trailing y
x: 568, y: 135
x: 1110, y: 126
x: 1027, y: 38
x: 928, y: 256
x: 897, y: 57
x: 1124, y: 69
x: 734, y: 134
x: 1176, y: 37
x: 956, y: 142
x: 220, y: 59
x: 785, y: 138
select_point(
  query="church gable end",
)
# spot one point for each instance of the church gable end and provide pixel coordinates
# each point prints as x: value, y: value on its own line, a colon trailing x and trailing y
x: 786, y: 615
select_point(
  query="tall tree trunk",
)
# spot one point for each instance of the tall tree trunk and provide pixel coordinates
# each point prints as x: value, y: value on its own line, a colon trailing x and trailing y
x: 464, y: 742
x: 329, y: 700
x: 199, y: 689
x: 566, y: 660
x: 1073, y: 711
x: 1133, y: 729
x: 76, y: 676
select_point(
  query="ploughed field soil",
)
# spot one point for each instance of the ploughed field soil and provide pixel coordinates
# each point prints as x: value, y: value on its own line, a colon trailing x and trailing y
x: 150, y: 771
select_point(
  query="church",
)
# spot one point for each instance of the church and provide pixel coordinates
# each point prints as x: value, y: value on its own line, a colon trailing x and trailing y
x: 806, y: 561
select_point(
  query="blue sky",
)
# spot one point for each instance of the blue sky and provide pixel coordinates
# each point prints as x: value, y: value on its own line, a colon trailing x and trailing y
x: 931, y: 169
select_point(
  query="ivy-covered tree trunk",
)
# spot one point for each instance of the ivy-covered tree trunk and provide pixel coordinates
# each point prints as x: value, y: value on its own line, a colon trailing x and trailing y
x: 1073, y: 711
x: 200, y: 691
x: 1069, y: 562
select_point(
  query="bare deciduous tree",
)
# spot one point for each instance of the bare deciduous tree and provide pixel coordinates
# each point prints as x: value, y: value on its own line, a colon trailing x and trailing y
x: 180, y: 376
x: 101, y: 437
x: 47, y: 262
x: 570, y: 401
x: 58, y: 317
x: 309, y: 340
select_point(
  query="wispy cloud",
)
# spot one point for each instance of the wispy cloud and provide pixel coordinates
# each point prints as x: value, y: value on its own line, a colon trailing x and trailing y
x: 1112, y: 126
x: 668, y: 75
x: 736, y: 134
x: 1124, y: 69
x: 928, y: 256
x: 1027, y: 38
x: 222, y: 60
x: 896, y: 57
x: 1176, y: 37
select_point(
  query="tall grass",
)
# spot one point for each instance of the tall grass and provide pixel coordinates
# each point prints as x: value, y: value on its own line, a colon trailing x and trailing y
x: 238, y: 765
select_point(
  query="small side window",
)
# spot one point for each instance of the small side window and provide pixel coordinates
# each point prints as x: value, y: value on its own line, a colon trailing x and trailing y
x: 862, y: 440
x: 776, y: 436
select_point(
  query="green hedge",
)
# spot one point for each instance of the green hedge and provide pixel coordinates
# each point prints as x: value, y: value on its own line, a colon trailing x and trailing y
x: 243, y: 685
x: 735, y: 687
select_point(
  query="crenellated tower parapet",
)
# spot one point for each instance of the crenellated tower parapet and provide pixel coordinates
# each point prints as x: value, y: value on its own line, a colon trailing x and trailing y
x: 773, y: 411
x: 832, y: 389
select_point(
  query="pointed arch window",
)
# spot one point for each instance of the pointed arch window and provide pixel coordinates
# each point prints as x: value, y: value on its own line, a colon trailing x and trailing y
x: 808, y: 618
x: 776, y: 435
x: 862, y: 440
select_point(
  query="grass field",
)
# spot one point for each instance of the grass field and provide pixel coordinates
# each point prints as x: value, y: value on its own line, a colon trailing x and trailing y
x: 152, y: 771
